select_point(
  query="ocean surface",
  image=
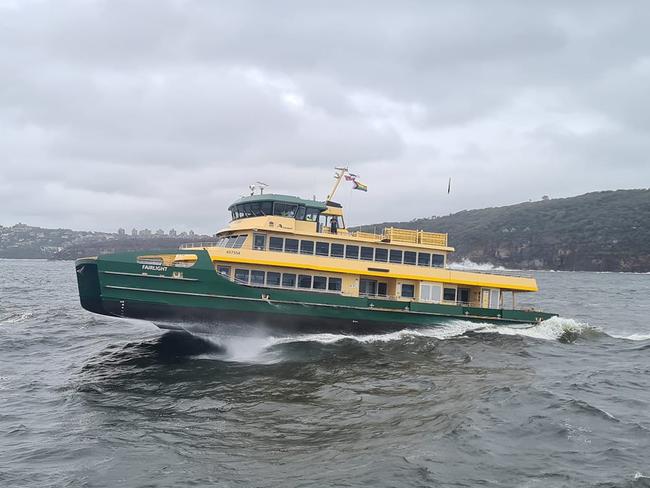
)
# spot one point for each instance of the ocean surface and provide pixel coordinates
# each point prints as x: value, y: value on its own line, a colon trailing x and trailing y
x: 92, y: 401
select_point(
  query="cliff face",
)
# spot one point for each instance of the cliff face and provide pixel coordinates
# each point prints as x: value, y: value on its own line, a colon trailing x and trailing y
x: 600, y: 231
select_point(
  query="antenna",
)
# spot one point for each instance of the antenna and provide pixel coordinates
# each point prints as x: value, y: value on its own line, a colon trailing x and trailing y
x: 261, y: 186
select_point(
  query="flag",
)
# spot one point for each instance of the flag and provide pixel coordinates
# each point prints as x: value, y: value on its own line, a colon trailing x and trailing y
x: 359, y: 186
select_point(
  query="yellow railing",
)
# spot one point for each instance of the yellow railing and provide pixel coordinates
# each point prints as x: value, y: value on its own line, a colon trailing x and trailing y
x: 415, y: 237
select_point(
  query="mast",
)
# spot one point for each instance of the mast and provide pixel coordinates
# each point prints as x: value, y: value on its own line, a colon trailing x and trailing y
x: 340, y: 173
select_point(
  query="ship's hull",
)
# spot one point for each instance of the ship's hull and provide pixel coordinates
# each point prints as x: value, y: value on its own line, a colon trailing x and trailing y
x: 169, y: 296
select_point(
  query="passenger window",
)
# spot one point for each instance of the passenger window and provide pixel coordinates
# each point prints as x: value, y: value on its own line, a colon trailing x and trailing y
x: 272, y: 278
x: 306, y: 247
x: 395, y: 256
x: 323, y: 248
x: 223, y: 270
x: 257, y: 277
x: 449, y: 294
x: 291, y: 245
x: 259, y: 242
x: 289, y: 280
x: 241, y: 275
x: 408, y: 291
x: 367, y: 253
x: 276, y: 243
x: 438, y: 260
x: 409, y: 257
x: 320, y: 283
x: 352, y: 252
x: 334, y: 284
x: 239, y: 242
x: 381, y: 255
x: 337, y: 250
x: 304, y: 281
x: 424, y: 258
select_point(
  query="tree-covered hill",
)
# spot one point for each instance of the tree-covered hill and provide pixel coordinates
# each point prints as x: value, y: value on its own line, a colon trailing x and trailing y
x: 600, y: 231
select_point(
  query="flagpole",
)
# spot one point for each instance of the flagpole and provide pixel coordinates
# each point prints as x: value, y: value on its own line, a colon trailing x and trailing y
x: 340, y: 173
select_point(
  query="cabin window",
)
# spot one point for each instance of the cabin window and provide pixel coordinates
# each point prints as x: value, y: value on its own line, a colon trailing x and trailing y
x: 304, y: 281
x: 449, y: 294
x: 273, y: 278
x: 231, y: 241
x: 408, y: 291
x: 381, y: 255
x: 257, y: 277
x: 276, y: 243
x: 259, y: 242
x: 334, y: 284
x: 409, y: 257
x: 289, y: 280
x: 285, y: 209
x: 463, y: 296
x: 241, y: 275
x: 337, y: 250
x: 311, y: 214
x: 367, y: 287
x: 322, y: 248
x: 438, y: 260
x: 306, y: 247
x: 223, y: 270
x: 382, y: 289
x: 430, y: 292
x: 239, y: 242
x: 320, y: 283
x: 222, y: 241
x: 395, y: 256
x: 291, y: 245
x: 424, y: 258
x: 352, y: 252
x: 367, y: 253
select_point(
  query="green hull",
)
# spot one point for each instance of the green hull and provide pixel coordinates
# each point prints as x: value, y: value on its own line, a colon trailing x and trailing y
x: 117, y: 285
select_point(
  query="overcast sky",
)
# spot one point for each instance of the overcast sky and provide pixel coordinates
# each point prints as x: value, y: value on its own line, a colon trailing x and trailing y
x: 160, y: 113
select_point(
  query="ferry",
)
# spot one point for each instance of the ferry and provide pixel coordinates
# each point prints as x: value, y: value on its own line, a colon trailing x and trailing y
x: 291, y: 264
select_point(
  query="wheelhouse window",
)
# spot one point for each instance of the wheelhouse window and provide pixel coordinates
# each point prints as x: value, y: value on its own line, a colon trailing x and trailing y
x: 409, y: 257
x: 395, y: 256
x: 289, y: 280
x: 251, y: 209
x: 367, y: 253
x: 381, y: 255
x: 285, y: 209
x: 242, y: 275
x: 273, y: 278
x: 311, y: 214
x: 259, y: 242
x: 322, y: 249
x: 257, y: 277
x: 276, y: 243
x: 306, y: 247
x: 231, y: 241
x: 334, y: 284
x: 449, y: 294
x: 320, y: 283
x: 424, y: 258
x: 352, y: 252
x: 408, y: 291
x: 337, y: 250
x: 438, y: 260
x: 304, y: 281
x: 291, y: 245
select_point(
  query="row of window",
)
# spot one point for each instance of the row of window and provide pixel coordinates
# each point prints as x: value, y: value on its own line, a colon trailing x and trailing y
x: 284, y: 280
x: 256, y: 209
x: 349, y: 251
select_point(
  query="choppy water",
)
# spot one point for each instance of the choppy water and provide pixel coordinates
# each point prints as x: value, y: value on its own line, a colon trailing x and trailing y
x: 93, y: 401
